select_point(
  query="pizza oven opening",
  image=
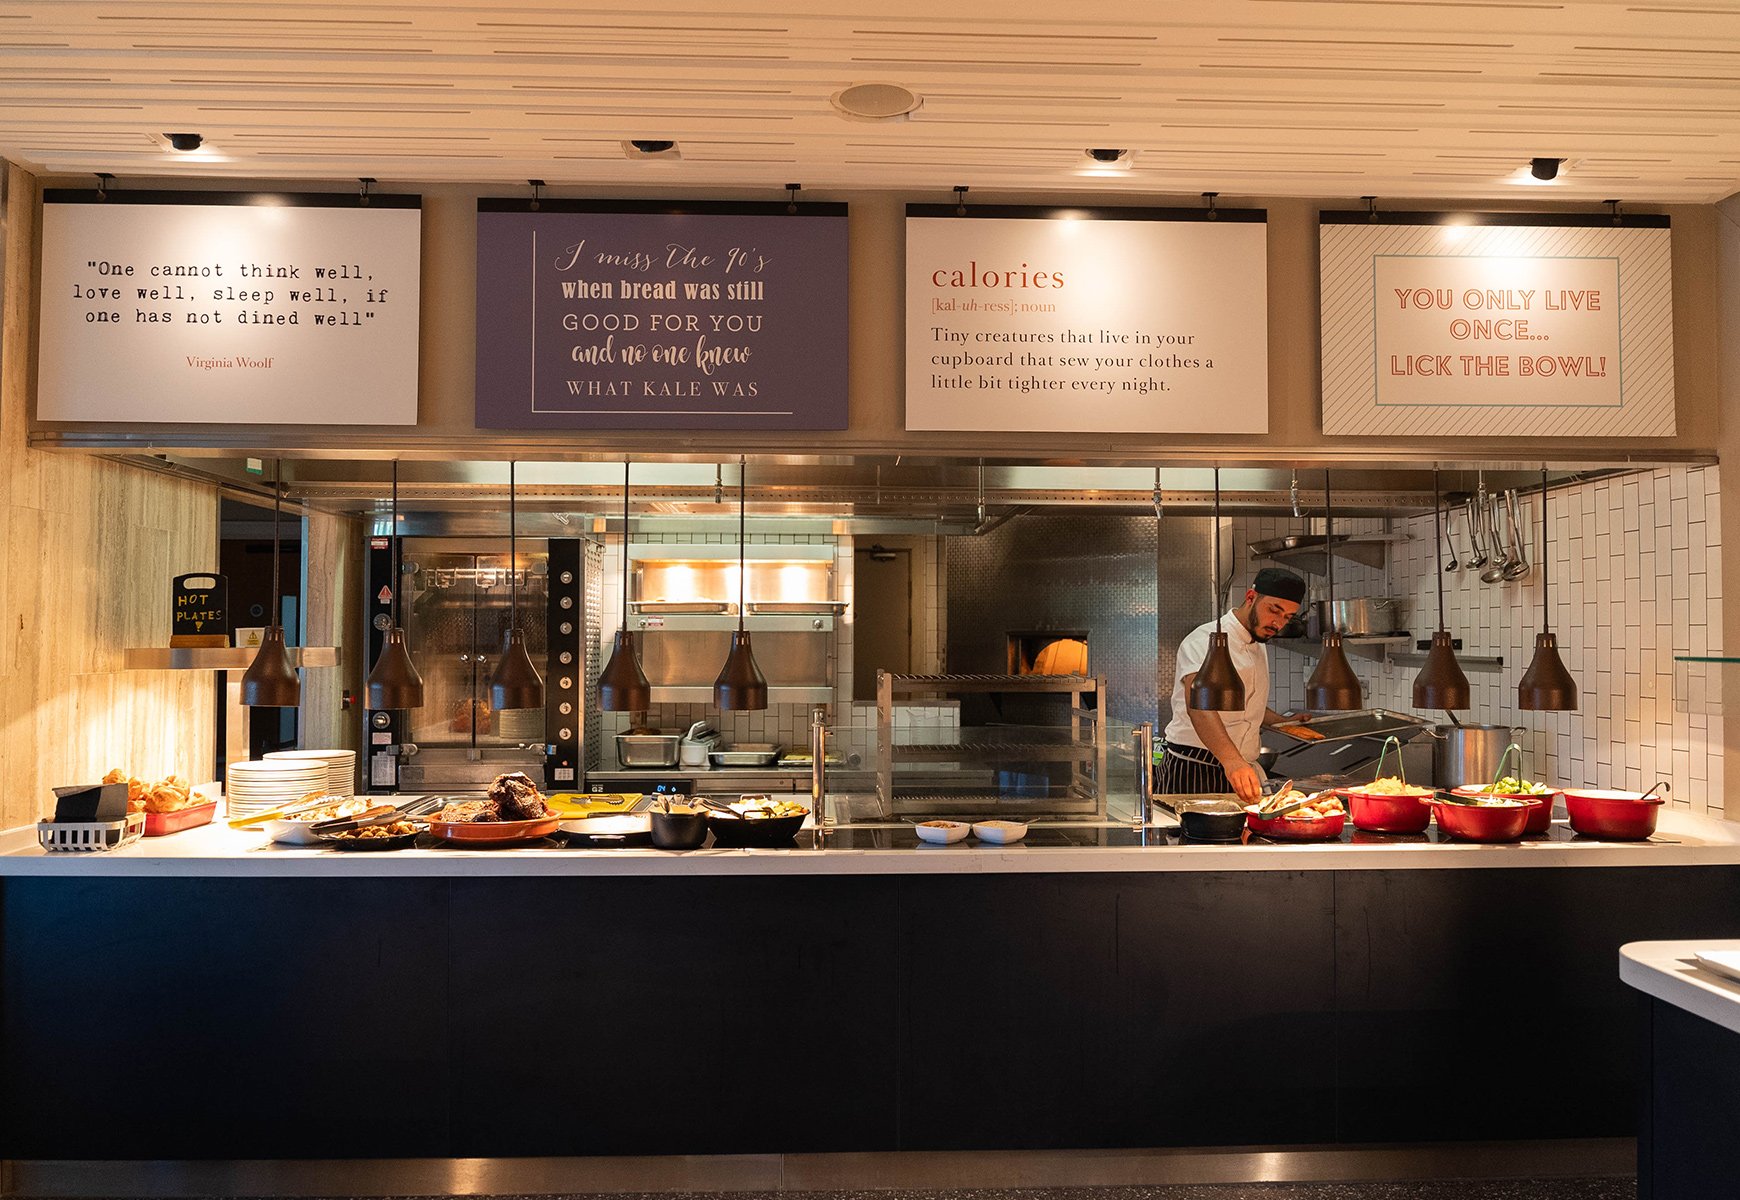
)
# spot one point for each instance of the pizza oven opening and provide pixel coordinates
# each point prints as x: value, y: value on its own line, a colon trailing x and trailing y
x: 1048, y: 652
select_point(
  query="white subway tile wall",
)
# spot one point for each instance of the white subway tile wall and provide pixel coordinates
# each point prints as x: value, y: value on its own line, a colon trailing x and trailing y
x: 1636, y: 578
x: 787, y: 724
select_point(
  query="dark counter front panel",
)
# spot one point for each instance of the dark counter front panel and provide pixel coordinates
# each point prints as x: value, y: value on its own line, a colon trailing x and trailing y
x: 395, y: 1017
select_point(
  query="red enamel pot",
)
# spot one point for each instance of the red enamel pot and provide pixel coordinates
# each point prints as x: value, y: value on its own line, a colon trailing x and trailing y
x: 1619, y: 816
x: 1379, y: 813
x: 1293, y: 829
x: 1540, y: 816
x: 1503, y: 822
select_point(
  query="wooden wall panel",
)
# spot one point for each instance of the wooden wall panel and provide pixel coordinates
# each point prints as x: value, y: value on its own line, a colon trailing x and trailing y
x: 332, y: 616
x: 90, y: 546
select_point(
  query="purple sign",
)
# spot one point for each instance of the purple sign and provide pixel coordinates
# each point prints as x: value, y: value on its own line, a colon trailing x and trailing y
x: 645, y: 316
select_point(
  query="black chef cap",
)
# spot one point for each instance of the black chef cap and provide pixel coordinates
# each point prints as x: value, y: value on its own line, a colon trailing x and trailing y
x: 1282, y: 585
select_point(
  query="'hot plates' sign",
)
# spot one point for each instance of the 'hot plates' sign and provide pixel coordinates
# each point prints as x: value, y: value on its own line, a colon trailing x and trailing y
x: 641, y: 316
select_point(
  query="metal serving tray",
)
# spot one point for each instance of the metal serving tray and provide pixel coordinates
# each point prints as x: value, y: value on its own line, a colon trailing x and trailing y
x: 647, y: 749
x: 746, y: 754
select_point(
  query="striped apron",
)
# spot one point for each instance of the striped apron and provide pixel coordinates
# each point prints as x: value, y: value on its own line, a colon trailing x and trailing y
x: 1190, y: 770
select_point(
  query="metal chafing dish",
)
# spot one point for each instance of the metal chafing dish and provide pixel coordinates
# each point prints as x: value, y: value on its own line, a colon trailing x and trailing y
x: 1350, y: 746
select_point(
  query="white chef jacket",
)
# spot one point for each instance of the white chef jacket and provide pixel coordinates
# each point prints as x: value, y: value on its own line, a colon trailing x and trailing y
x: 1251, y: 660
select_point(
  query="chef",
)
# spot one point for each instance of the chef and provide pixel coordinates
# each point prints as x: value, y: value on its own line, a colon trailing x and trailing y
x: 1217, y: 751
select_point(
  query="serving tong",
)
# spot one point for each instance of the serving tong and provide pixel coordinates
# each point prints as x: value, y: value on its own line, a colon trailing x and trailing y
x: 381, y: 814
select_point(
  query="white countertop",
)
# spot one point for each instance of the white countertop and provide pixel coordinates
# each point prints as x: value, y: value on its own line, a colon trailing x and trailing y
x: 1669, y: 971
x: 216, y: 850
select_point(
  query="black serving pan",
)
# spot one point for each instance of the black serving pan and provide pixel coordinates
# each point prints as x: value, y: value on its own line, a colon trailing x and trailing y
x: 1212, y: 826
x: 1210, y: 818
x: 754, y: 831
x: 608, y: 829
x: 678, y: 831
x: 400, y: 841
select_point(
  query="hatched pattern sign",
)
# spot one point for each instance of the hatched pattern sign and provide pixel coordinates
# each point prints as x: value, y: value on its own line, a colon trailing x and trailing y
x: 1497, y: 326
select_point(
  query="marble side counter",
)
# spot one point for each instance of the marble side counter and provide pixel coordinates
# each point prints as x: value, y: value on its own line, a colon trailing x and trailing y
x: 1063, y: 847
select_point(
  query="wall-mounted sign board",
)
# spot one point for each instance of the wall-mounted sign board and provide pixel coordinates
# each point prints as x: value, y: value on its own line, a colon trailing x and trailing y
x: 229, y: 308
x: 660, y: 316
x: 1503, y: 324
x: 1103, y: 320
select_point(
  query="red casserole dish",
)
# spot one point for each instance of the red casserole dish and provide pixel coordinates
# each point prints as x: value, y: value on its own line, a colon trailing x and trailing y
x: 1486, y: 822
x: 1291, y: 829
x: 1377, y: 813
x: 1540, y: 815
x: 158, y: 824
x: 1620, y: 816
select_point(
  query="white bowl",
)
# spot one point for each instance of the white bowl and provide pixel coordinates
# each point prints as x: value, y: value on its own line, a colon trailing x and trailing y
x: 942, y: 833
x: 1000, y: 833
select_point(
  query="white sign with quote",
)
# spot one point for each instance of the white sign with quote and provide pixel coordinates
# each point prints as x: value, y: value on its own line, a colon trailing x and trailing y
x: 229, y: 308
x: 1086, y: 320
x: 1497, y: 324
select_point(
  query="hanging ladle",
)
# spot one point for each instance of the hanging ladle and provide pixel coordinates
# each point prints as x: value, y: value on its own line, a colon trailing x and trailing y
x: 1476, y: 507
x: 1518, y: 566
x: 1500, y: 552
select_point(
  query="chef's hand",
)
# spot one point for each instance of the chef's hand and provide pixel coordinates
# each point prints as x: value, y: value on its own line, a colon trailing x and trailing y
x: 1246, y: 782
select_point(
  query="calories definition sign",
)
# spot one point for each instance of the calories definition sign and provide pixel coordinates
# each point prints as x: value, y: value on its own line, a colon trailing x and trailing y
x: 1086, y: 320
x: 654, y: 316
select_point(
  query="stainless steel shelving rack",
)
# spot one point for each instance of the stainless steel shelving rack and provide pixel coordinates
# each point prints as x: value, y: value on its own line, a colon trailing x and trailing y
x: 1080, y: 743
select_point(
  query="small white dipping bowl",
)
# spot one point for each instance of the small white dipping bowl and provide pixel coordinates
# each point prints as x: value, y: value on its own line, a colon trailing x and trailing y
x: 942, y: 833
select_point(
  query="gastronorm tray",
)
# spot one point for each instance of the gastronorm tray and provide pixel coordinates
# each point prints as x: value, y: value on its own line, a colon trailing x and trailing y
x: 647, y: 749
x: 746, y: 754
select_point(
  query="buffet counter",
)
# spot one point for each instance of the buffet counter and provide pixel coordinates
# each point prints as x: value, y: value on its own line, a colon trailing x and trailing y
x: 1682, y: 839
x: 1688, y: 1140
x: 1090, y: 987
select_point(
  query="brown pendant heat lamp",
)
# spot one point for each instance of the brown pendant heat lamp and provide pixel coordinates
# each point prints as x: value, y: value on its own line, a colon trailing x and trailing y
x: 1333, y: 687
x: 270, y: 680
x: 1546, y: 686
x: 516, y: 682
x: 623, y: 686
x: 1216, y: 687
x: 394, y: 682
x: 1440, y: 683
x: 741, y: 684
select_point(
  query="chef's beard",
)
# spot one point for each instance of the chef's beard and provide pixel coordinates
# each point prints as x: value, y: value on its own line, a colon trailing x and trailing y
x: 1256, y: 635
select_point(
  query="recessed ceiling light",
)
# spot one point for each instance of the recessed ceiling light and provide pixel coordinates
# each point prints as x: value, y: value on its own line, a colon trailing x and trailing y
x: 1545, y: 168
x: 185, y: 141
x: 651, y: 148
x: 1107, y: 155
x: 876, y: 102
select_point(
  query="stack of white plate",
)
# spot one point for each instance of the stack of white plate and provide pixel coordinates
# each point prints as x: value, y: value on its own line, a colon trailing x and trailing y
x: 258, y: 785
x: 340, y: 766
x: 520, y: 724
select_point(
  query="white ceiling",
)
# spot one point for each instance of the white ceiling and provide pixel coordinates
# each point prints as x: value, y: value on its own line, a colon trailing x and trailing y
x: 1397, y: 98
